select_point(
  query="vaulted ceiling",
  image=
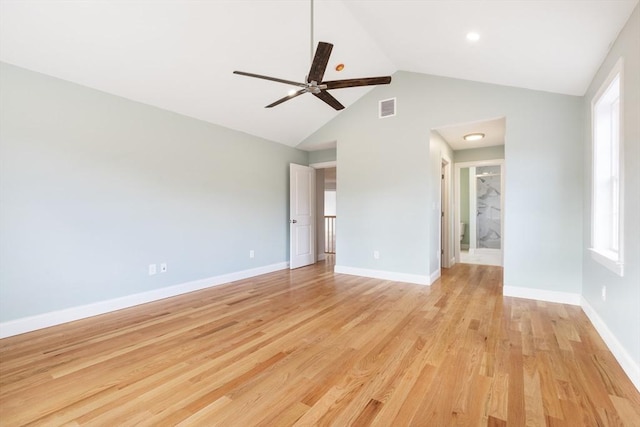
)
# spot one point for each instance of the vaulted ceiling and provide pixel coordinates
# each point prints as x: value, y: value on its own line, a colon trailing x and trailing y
x: 180, y: 55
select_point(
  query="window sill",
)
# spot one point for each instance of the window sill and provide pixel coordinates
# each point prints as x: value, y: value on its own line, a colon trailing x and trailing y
x: 608, y: 261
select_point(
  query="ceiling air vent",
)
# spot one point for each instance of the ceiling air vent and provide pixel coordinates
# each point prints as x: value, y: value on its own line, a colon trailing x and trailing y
x: 387, y: 108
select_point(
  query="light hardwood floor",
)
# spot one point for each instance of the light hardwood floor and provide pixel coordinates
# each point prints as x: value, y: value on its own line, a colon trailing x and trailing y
x: 308, y: 347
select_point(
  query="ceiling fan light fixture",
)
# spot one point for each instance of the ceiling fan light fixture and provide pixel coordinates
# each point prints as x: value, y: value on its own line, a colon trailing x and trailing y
x: 474, y: 136
x: 339, y: 67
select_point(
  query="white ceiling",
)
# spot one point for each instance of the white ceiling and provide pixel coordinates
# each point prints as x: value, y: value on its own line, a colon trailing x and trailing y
x: 179, y: 54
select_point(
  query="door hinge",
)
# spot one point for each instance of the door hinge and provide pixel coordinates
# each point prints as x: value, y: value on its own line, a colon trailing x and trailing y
x: 441, y: 251
x: 442, y: 176
x: 442, y: 214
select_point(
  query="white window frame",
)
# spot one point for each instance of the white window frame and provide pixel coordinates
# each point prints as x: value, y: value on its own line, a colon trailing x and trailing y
x: 607, y: 225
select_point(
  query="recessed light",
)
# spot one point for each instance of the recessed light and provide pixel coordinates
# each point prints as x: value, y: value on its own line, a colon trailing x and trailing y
x: 474, y: 136
x: 473, y: 36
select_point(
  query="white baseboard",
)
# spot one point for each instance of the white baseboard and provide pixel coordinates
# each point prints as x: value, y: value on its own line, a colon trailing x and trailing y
x: 541, y: 295
x: 40, y: 321
x: 622, y: 356
x: 384, y: 275
x: 435, y: 276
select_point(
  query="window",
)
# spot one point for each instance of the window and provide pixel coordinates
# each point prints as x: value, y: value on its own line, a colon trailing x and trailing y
x: 606, y: 174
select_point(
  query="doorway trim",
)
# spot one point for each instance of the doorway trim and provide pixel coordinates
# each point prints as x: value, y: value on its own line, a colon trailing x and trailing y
x: 476, y: 163
x: 447, y: 257
x: 324, y: 165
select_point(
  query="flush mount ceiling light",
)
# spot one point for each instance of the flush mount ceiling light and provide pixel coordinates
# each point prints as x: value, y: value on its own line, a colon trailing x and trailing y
x: 473, y: 36
x: 474, y: 136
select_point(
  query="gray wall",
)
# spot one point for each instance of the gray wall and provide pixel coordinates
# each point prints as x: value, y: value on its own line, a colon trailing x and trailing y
x: 95, y: 187
x: 474, y: 154
x: 621, y: 311
x: 388, y: 179
x: 321, y: 156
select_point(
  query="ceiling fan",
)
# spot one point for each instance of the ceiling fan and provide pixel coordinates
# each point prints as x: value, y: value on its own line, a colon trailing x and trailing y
x: 314, y: 83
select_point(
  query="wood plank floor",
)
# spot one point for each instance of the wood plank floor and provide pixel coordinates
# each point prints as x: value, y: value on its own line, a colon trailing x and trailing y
x: 308, y: 347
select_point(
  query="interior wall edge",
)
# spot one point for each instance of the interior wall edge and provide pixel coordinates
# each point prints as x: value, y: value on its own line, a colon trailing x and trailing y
x: 416, y: 279
x: 542, y: 295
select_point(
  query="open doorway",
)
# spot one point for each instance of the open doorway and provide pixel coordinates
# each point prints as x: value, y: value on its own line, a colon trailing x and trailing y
x: 330, y: 196
x: 479, y: 182
x: 326, y: 210
x: 480, y: 208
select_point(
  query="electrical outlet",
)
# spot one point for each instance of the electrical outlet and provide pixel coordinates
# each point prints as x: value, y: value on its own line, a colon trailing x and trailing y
x: 152, y: 269
x: 376, y: 254
x: 604, y: 293
x: 163, y: 267
x: 252, y: 254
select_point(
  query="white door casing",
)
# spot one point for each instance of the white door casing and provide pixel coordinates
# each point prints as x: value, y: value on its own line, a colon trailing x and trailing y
x: 445, y: 219
x: 302, y: 214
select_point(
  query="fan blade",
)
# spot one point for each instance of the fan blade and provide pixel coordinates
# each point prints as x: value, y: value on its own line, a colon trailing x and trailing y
x: 320, y: 61
x: 326, y: 97
x: 368, y: 81
x: 288, y: 97
x: 273, y: 79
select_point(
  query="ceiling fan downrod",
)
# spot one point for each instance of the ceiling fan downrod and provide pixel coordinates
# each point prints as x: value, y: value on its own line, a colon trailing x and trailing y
x: 311, y: 38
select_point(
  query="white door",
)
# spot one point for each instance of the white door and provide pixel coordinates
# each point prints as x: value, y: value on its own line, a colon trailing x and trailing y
x: 302, y: 230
